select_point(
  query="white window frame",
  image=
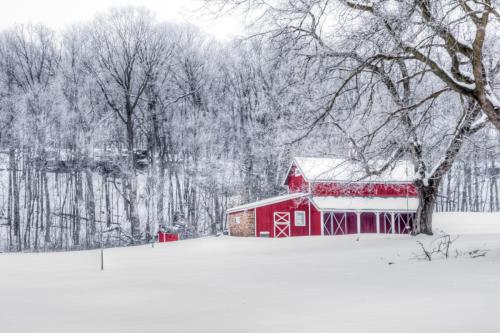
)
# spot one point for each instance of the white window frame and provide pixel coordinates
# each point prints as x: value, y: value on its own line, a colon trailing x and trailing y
x: 297, y: 172
x: 237, y: 219
x: 303, y: 212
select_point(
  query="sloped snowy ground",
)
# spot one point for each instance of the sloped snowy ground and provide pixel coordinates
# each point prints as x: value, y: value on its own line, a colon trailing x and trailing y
x: 306, y: 284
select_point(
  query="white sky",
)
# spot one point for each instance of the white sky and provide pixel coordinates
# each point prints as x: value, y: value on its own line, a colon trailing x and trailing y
x: 58, y: 14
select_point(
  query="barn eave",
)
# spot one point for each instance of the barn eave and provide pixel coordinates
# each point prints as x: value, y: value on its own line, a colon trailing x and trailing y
x: 266, y: 202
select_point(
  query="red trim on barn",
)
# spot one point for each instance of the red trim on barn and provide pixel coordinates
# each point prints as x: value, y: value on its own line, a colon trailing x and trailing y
x: 364, y: 190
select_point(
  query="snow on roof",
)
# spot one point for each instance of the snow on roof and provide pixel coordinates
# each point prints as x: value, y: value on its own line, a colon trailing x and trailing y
x: 366, y: 203
x: 266, y: 202
x: 336, y: 169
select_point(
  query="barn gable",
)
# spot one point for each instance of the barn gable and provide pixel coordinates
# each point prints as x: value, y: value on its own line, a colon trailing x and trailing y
x: 295, y: 181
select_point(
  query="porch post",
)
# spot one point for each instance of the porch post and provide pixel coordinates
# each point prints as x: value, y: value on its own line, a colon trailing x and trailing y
x: 393, y: 227
x: 321, y: 223
x: 309, y: 198
x: 255, y: 221
x: 377, y: 221
x: 358, y: 222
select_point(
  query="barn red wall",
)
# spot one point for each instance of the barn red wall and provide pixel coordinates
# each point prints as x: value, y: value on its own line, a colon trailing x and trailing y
x: 265, y: 217
x: 352, y: 223
x: 368, y: 222
x: 364, y: 190
x: 316, y: 221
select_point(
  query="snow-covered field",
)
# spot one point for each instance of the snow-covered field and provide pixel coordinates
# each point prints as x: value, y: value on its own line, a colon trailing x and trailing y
x: 309, y: 284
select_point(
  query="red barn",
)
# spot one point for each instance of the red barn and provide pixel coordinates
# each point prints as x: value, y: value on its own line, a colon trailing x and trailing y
x: 328, y: 196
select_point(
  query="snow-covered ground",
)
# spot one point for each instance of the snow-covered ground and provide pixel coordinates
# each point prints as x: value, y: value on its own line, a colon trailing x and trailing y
x: 304, y: 284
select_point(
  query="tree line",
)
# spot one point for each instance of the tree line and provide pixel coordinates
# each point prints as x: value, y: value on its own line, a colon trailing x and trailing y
x: 409, y: 79
x: 117, y: 127
x: 113, y: 129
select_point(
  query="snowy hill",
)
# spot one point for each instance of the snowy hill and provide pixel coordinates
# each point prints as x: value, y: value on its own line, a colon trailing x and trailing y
x: 303, y: 284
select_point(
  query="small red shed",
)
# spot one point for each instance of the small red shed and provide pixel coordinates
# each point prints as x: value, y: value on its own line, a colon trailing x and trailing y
x: 328, y: 196
x: 165, y: 237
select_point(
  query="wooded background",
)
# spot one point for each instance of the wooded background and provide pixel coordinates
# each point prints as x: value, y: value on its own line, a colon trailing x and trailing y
x: 120, y: 126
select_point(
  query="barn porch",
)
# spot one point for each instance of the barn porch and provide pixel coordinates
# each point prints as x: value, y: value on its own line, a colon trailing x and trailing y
x: 353, y: 215
x: 344, y: 223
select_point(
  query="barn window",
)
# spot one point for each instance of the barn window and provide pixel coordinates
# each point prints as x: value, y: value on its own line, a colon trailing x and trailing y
x: 300, y: 219
x: 297, y: 172
x: 237, y: 220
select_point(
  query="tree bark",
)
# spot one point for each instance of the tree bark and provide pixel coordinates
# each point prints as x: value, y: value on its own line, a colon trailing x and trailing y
x: 107, y: 202
x: 90, y: 208
x: 427, y: 195
x: 48, y: 223
x: 132, y: 179
x: 15, y: 190
x: 161, y: 190
x: 76, y: 211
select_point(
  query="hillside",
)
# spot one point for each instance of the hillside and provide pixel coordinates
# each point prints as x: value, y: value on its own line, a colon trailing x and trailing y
x: 224, y: 284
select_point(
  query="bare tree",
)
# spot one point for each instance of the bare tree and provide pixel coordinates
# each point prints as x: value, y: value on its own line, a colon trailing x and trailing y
x: 454, y: 39
x: 361, y: 51
x: 30, y: 63
x: 126, y: 50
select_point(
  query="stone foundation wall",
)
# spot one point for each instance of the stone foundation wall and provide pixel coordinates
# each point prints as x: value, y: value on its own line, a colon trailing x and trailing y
x: 246, y: 225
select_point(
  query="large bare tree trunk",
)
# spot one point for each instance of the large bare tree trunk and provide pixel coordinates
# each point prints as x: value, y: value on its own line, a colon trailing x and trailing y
x: 9, y: 207
x: 90, y: 208
x: 107, y: 202
x: 171, y: 195
x: 28, y: 199
x: 48, y: 223
x: 427, y: 195
x: 39, y: 206
x: 161, y: 191
x: 494, y: 204
x: 77, y: 200
x: 15, y: 190
x: 448, y: 192
x: 132, y: 180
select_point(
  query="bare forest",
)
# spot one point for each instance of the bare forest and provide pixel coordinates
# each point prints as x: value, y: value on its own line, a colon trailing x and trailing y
x: 116, y: 128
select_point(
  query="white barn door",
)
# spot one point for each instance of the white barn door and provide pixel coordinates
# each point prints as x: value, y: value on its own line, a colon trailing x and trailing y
x: 281, y: 224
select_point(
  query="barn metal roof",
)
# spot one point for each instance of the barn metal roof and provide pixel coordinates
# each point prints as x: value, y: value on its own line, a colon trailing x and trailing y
x: 317, y: 169
x: 266, y: 202
x: 366, y: 203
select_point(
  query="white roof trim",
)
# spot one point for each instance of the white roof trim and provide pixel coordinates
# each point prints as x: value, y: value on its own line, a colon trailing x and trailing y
x: 266, y: 202
x: 288, y: 173
x: 379, y: 204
